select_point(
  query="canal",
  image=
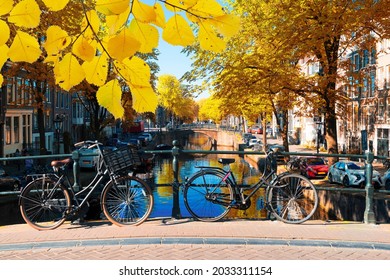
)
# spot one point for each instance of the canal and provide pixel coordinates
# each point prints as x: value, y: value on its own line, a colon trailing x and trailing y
x: 162, y: 179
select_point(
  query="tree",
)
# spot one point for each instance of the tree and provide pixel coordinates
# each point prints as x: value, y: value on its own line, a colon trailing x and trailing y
x: 108, y: 37
x: 172, y: 96
x: 278, y: 34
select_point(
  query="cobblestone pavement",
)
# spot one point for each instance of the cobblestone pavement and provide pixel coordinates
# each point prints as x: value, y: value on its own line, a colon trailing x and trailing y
x: 189, y: 240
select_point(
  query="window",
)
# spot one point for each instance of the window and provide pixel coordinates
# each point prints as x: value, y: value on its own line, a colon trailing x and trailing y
x: 356, y: 62
x: 19, y: 90
x: 16, y: 130
x: 8, y: 130
x: 10, y: 91
x: 380, y: 77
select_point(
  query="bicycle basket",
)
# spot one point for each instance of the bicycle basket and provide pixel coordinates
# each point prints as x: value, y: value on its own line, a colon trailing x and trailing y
x: 121, y: 159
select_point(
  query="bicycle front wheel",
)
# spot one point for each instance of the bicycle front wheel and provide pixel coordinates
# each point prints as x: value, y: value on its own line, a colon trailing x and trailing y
x: 43, y: 204
x: 207, y: 196
x: 293, y: 199
x: 127, y: 200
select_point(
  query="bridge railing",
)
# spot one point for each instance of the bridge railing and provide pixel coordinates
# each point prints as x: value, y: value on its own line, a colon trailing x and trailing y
x: 369, y: 215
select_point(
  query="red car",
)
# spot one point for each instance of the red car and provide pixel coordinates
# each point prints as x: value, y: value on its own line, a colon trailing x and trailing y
x: 255, y: 129
x: 314, y: 168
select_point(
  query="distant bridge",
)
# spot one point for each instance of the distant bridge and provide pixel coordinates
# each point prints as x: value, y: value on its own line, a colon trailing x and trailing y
x: 219, y: 136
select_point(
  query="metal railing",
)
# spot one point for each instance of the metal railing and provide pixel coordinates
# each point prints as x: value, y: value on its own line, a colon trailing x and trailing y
x: 369, y: 215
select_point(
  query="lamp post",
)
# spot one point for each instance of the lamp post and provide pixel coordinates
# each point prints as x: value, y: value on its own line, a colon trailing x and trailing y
x: 58, y: 121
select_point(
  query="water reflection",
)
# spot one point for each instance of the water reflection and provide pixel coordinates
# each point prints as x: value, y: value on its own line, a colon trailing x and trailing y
x: 188, y: 165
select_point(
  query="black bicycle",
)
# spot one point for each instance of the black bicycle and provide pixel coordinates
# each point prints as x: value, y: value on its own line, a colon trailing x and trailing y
x: 49, y: 200
x: 211, y: 192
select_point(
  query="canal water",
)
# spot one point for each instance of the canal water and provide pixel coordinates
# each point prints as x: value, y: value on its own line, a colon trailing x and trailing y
x: 163, y: 177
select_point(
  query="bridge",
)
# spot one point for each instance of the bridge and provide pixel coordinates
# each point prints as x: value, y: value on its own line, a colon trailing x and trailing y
x: 219, y: 135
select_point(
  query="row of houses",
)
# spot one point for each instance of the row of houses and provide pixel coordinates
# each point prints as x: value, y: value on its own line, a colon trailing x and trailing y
x: 365, y: 120
x: 64, y: 115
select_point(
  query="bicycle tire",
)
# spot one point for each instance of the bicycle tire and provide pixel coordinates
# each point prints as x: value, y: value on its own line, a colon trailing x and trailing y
x: 293, y: 200
x: 44, y: 205
x: 127, y: 200
x: 207, y: 196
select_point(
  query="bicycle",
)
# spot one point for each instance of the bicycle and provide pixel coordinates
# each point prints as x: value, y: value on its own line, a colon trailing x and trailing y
x: 49, y: 200
x: 211, y: 192
x: 294, y: 164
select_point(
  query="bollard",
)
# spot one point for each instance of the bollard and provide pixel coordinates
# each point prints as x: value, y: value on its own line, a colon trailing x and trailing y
x: 369, y: 216
x: 76, y: 170
x: 175, y: 185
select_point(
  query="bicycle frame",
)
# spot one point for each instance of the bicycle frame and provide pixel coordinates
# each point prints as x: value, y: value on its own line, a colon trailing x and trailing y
x: 238, y: 190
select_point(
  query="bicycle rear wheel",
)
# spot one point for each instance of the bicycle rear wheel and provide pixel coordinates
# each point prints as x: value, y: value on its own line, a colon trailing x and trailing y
x: 127, y: 200
x: 43, y: 204
x: 207, y: 196
x: 293, y: 199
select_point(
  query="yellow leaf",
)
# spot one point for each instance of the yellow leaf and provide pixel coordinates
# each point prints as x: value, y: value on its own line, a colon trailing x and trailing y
x: 178, y: 32
x: 135, y: 71
x: 24, y: 48
x: 56, y: 40
x: 83, y: 49
x: 143, y: 13
x: 146, y: 34
x: 207, y: 9
x: 26, y: 14
x: 209, y: 39
x: 112, y: 7
x: 160, y: 16
x: 91, y: 20
x: 4, y: 32
x: 227, y: 25
x: 3, y: 55
x: 1, y: 80
x: 70, y: 73
x: 56, y: 5
x: 177, y: 5
x: 144, y: 99
x: 109, y: 96
x: 6, y: 6
x: 123, y: 45
x: 116, y: 22
x: 96, y: 71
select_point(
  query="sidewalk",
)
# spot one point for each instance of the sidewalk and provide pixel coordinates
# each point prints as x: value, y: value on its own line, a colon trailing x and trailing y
x: 323, y: 240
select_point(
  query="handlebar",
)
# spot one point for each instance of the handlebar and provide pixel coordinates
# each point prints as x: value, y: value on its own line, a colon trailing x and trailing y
x: 89, y: 144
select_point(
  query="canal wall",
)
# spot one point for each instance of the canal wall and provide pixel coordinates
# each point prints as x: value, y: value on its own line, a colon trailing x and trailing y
x: 341, y: 205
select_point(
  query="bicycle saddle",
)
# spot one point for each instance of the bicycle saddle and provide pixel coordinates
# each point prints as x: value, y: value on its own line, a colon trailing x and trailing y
x: 59, y: 163
x: 225, y: 161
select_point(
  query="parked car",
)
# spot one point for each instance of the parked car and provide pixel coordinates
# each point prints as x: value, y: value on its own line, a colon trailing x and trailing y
x: 8, y: 183
x: 147, y: 136
x: 255, y: 144
x: 246, y: 137
x: 256, y: 129
x: 314, y: 167
x: 349, y: 173
x: 88, y: 160
x: 386, y: 180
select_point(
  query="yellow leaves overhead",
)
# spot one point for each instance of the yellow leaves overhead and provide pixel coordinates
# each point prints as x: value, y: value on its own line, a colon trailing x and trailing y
x: 4, y: 32
x: 56, y: 40
x: 112, y: 30
x: 69, y: 72
x: 109, y: 96
x: 24, y: 48
x: 178, y: 32
x: 25, y: 14
x: 96, y: 70
x: 56, y: 5
x: 146, y: 34
x: 112, y: 7
x: 6, y: 6
x: 123, y: 45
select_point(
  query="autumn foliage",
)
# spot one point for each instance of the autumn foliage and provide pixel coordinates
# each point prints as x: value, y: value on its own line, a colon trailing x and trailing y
x: 103, y: 50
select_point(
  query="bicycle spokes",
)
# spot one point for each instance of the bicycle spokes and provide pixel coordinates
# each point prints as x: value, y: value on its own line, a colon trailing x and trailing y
x: 293, y: 199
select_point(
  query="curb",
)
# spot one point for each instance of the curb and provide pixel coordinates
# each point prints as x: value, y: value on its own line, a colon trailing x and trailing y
x: 194, y: 241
